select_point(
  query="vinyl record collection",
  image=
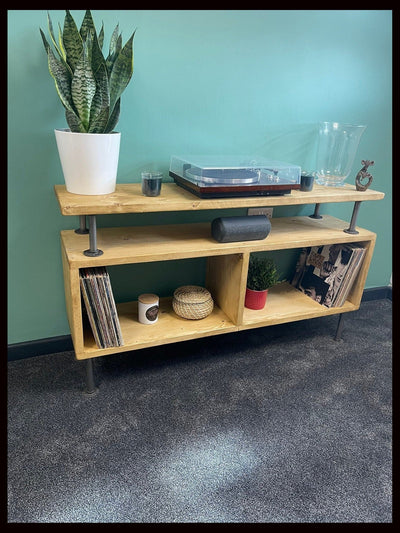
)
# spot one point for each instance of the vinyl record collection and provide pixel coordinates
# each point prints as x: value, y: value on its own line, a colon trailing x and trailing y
x: 326, y: 273
x: 100, y: 306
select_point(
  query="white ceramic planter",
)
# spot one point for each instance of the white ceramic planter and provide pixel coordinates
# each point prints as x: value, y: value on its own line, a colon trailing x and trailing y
x: 89, y: 161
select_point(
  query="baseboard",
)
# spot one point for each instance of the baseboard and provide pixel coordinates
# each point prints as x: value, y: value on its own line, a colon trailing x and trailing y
x: 23, y: 350
x: 377, y: 293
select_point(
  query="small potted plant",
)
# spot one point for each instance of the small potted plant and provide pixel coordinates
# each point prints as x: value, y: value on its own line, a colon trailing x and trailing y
x: 262, y: 274
x: 90, y: 86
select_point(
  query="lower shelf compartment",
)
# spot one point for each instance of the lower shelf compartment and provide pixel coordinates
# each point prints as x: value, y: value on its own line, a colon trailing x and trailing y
x: 287, y: 304
x: 284, y: 304
x: 168, y: 329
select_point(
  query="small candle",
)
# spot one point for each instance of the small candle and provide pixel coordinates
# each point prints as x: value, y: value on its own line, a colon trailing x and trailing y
x: 307, y: 182
x: 148, y: 307
x: 151, y: 183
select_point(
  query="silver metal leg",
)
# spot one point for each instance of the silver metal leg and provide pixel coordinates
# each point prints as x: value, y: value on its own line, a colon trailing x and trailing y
x: 316, y: 212
x: 90, y: 384
x: 82, y: 230
x: 352, y: 229
x: 93, y: 250
x: 339, y: 328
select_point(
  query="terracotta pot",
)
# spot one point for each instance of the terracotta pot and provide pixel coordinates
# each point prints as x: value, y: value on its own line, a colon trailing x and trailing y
x: 255, y: 299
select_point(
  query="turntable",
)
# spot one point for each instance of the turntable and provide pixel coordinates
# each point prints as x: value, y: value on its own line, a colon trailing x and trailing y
x: 234, y: 176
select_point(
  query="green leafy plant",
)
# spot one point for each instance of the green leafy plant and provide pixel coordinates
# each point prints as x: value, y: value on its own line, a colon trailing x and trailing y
x: 89, y: 85
x: 262, y: 273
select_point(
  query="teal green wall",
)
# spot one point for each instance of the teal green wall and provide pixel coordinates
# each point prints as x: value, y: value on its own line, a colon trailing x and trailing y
x: 206, y: 82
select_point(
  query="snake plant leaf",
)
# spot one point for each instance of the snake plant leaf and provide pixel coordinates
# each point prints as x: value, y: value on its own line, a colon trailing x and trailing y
x: 61, y: 74
x: 61, y: 44
x: 97, y: 58
x: 98, y: 125
x: 75, y: 125
x: 87, y: 25
x: 115, y: 49
x: 62, y: 79
x: 115, y: 37
x: 48, y: 48
x: 121, y: 72
x: 113, y: 120
x: 45, y: 42
x: 100, y: 109
x: 51, y: 32
x: 100, y: 37
x: 72, y: 40
x: 83, y: 85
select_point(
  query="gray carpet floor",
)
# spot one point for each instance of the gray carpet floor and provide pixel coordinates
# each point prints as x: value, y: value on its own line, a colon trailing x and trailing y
x: 274, y: 425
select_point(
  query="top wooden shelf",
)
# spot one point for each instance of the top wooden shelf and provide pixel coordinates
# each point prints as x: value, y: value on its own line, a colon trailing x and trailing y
x: 128, y: 198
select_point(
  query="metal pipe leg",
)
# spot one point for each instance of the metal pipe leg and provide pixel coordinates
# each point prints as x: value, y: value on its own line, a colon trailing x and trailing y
x: 316, y: 212
x: 339, y: 328
x: 92, y: 233
x: 352, y: 229
x: 93, y: 250
x: 90, y: 384
x: 82, y: 230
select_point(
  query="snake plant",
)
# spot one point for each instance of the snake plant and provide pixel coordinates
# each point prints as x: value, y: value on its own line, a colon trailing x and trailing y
x: 88, y: 84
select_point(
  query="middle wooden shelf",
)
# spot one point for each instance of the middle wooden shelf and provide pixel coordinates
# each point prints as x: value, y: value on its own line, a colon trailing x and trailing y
x: 142, y: 244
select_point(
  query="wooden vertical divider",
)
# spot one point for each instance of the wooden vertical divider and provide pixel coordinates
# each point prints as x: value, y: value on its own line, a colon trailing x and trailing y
x: 226, y: 279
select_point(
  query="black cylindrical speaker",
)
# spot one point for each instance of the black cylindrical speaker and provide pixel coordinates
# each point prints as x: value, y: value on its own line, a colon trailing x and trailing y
x: 246, y: 228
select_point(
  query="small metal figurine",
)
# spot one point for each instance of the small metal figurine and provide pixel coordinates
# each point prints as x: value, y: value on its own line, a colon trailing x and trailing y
x: 363, y: 175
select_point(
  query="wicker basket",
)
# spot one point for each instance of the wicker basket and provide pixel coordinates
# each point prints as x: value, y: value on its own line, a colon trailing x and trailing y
x: 192, y: 302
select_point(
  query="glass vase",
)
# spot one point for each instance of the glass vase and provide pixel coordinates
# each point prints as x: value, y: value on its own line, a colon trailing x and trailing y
x: 337, y: 148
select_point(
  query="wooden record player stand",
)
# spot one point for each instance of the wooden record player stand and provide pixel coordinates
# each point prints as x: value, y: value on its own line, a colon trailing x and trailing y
x: 227, y: 263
